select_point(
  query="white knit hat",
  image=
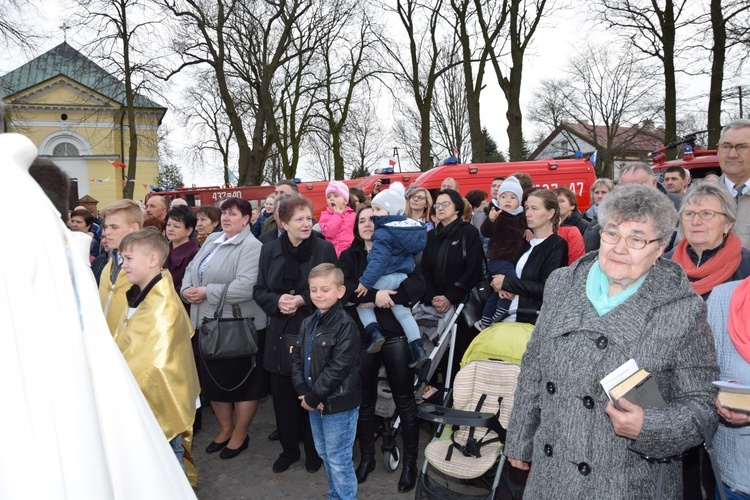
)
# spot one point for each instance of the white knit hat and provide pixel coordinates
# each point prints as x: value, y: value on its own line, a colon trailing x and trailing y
x: 392, y: 199
x: 511, y: 184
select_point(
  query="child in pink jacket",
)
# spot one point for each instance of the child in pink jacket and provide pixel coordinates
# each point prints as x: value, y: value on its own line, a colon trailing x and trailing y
x: 337, y: 220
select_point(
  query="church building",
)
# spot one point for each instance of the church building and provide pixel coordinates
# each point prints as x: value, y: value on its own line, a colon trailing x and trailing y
x: 74, y: 112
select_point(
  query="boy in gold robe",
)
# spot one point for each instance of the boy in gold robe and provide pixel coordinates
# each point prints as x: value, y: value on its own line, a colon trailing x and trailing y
x: 120, y: 219
x: 154, y: 335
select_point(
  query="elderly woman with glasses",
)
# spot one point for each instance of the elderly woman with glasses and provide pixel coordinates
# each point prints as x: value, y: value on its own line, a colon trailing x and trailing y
x: 623, y: 302
x: 710, y: 253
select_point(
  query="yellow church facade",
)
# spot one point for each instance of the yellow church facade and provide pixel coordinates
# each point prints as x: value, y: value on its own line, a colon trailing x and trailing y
x: 75, y: 114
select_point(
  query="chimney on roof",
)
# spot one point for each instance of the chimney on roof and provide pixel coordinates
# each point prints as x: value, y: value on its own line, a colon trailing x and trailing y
x: 648, y: 125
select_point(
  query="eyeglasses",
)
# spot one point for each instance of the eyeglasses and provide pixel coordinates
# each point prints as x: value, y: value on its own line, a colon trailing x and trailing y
x: 419, y: 197
x: 444, y: 204
x: 726, y: 147
x: 703, y: 214
x: 634, y: 242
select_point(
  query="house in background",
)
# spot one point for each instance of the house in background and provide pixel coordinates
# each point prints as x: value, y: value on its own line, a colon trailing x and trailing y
x: 74, y: 112
x: 628, y: 145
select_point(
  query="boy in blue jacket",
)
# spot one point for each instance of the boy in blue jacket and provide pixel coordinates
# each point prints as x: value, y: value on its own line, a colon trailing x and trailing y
x: 395, y: 242
x: 325, y: 374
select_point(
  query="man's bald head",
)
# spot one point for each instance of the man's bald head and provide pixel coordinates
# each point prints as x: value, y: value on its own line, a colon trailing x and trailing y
x: 156, y: 206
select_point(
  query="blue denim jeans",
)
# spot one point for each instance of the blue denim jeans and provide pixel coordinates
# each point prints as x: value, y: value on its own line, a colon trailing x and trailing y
x: 178, y: 450
x: 730, y: 493
x: 402, y: 313
x: 334, y: 441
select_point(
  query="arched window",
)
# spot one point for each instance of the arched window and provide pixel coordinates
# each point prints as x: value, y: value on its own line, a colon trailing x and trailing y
x: 65, y: 149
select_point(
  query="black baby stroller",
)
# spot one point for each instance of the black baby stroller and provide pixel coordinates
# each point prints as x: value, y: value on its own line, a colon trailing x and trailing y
x: 438, y: 333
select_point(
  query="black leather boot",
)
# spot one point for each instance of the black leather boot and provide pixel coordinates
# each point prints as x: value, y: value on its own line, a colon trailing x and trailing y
x: 409, y: 474
x: 366, y: 465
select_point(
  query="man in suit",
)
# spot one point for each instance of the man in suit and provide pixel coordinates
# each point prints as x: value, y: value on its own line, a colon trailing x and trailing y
x: 734, y: 159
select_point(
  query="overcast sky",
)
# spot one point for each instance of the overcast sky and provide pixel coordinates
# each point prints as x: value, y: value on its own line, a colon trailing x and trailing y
x: 555, y: 42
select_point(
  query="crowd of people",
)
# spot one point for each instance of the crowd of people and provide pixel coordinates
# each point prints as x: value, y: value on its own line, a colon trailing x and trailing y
x: 663, y: 282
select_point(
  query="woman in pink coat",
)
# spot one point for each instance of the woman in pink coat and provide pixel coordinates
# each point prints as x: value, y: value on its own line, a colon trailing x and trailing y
x: 337, y: 220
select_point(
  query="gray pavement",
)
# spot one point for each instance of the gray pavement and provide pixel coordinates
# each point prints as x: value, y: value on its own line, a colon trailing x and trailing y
x: 249, y: 475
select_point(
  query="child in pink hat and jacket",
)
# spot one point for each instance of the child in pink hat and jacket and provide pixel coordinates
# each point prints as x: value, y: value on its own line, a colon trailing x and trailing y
x: 337, y: 220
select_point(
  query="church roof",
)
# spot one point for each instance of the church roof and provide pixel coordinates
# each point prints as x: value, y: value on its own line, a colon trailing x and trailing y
x: 67, y: 61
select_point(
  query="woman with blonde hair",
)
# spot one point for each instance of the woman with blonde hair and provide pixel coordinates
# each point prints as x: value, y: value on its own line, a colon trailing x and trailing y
x: 418, y: 206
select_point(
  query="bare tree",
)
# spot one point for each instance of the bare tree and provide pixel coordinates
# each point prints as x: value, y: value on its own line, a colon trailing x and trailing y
x: 364, y: 141
x: 208, y: 123
x: 475, y: 50
x: 450, y: 115
x: 723, y: 18
x: 652, y: 26
x: 347, y: 54
x: 418, y: 70
x: 606, y: 93
x: 13, y: 31
x: 124, y: 41
x: 549, y: 105
x: 523, y: 18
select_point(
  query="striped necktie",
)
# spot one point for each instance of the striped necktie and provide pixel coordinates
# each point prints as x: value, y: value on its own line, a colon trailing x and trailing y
x: 740, y: 188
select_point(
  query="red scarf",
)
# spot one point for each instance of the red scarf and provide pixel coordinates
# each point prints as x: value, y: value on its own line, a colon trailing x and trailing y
x: 717, y: 270
x: 739, y: 319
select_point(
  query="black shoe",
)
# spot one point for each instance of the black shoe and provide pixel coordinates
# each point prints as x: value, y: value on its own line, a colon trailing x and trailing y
x: 214, y: 446
x: 274, y: 436
x: 228, y: 453
x: 408, y: 479
x: 313, y: 465
x: 282, y: 463
x: 418, y: 355
x: 366, y: 466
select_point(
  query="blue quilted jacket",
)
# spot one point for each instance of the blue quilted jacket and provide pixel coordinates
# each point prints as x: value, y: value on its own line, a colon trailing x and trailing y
x: 395, y: 242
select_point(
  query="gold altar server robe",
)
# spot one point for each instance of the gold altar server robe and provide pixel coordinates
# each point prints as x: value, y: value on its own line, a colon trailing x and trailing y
x: 113, y: 297
x: 155, y: 342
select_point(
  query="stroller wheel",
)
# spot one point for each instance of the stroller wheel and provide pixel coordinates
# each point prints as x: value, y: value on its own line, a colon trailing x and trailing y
x: 391, y: 459
x: 419, y: 493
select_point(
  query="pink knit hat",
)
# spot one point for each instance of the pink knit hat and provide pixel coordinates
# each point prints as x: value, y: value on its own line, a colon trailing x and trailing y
x: 338, y: 187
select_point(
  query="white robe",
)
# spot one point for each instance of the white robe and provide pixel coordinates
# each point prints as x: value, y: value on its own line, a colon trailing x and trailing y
x: 74, y: 423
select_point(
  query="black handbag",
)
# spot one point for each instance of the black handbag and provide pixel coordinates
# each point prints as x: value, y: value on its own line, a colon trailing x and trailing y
x: 228, y: 338
x: 478, y: 295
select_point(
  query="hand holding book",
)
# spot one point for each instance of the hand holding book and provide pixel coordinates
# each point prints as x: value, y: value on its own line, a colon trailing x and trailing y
x: 733, y: 402
x: 628, y: 421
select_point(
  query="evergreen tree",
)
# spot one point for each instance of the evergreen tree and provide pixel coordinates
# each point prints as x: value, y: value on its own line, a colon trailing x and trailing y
x: 170, y: 175
x: 491, y: 154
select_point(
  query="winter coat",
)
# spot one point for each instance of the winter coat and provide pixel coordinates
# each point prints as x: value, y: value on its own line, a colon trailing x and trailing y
x: 395, y: 242
x: 452, y: 263
x: 575, y: 219
x: 505, y: 234
x: 547, y: 256
x: 338, y: 228
x: 558, y: 422
x: 282, y: 330
x: 334, y: 364
x: 258, y: 226
x: 235, y: 263
x: 353, y: 262
x: 742, y: 224
x: 591, y: 236
x: 573, y: 238
x: 179, y: 258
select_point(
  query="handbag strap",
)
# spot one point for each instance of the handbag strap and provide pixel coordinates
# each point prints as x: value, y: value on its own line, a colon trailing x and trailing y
x: 708, y: 443
x: 205, y: 365
x: 484, y: 258
x: 220, y: 307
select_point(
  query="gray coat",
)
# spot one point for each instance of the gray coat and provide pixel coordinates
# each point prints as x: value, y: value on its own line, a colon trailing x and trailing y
x: 236, y: 263
x: 559, y: 422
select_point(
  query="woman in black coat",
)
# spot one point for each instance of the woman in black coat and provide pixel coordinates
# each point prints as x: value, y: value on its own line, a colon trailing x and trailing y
x: 452, y: 264
x: 537, y: 259
x: 282, y: 292
x: 394, y: 354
